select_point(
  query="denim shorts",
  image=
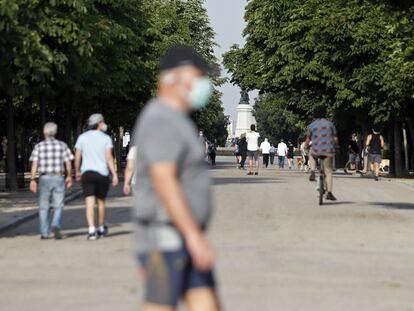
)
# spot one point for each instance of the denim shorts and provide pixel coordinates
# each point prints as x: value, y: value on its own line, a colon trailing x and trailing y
x: 169, y: 275
x: 375, y: 158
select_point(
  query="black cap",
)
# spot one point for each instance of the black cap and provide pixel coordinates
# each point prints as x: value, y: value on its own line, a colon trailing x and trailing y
x: 182, y: 55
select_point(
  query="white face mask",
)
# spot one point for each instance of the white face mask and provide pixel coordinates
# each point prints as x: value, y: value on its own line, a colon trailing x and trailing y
x: 104, y: 127
x: 200, y: 94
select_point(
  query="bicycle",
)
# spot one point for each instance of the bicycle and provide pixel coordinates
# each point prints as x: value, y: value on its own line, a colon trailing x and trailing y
x: 321, y: 187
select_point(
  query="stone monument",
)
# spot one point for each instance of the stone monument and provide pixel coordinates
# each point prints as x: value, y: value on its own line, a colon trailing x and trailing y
x: 244, y: 114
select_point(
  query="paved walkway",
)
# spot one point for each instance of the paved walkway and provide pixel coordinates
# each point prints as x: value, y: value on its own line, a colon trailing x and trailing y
x: 277, y: 250
x: 17, y: 206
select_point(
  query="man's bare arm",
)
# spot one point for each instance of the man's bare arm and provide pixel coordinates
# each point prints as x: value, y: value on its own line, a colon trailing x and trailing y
x: 169, y: 190
x: 368, y: 142
x: 382, y: 142
x: 129, y: 171
x: 111, y: 165
x: 69, y: 174
x: 33, y: 184
x: 78, y: 157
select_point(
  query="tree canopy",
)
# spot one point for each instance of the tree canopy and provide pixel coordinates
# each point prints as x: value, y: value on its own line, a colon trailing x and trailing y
x: 354, y: 57
x: 65, y: 59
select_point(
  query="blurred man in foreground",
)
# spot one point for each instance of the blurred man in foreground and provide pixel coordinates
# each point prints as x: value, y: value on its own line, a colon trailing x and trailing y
x: 172, y: 195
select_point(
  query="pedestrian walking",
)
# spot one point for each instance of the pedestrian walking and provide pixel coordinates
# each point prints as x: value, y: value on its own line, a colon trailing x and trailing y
x: 265, y: 148
x: 322, y: 133
x: 375, y: 143
x: 354, y: 157
x: 281, y: 153
x: 252, y: 138
x: 272, y: 153
x: 129, y: 175
x: 94, y: 149
x: 212, y: 149
x: 172, y: 193
x: 49, y: 158
x: 304, y: 150
x: 204, y: 143
x: 290, y: 154
x: 242, y: 145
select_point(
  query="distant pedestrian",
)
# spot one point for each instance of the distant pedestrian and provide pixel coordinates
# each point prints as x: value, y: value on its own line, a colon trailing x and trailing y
x: 304, y: 150
x: 375, y: 143
x: 172, y: 194
x: 252, y: 138
x: 204, y: 143
x: 290, y: 154
x: 212, y: 149
x: 49, y: 158
x: 237, y: 152
x: 94, y: 150
x: 242, y: 145
x: 265, y: 148
x: 272, y: 153
x: 354, y: 157
x: 129, y: 175
x: 281, y: 153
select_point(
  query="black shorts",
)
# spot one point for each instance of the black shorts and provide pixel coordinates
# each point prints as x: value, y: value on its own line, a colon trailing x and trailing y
x: 95, y: 184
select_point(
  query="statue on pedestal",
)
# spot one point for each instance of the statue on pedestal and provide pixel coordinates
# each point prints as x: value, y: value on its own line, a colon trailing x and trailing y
x: 244, y: 99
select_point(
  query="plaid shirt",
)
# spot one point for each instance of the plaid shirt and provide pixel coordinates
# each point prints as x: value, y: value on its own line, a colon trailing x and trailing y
x: 51, y: 155
x: 322, y: 133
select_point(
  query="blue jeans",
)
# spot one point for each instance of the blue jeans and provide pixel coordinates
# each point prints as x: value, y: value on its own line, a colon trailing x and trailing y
x: 281, y: 162
x: 51, y: 193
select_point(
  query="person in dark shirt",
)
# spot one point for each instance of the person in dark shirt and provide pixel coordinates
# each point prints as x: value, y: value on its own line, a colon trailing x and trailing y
x: 242, y: 150
x: 375, y: 143
x: 353, y: 153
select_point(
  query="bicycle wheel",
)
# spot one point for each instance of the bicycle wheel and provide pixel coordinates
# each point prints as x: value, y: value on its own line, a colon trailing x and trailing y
x: 321, y: 188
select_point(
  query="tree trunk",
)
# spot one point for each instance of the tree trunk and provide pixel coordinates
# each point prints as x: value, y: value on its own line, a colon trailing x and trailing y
x: 405, y: 144
x: 397, y: 149
x: 68, y: 124
x: 11, y: 147
x: 42, y: 112
x: 391, y: 148
x: 119, y: 134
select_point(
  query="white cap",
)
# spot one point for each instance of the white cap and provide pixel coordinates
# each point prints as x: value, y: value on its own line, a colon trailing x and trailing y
x: 95, y: 119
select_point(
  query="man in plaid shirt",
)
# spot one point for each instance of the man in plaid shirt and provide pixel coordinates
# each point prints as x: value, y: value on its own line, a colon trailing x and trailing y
x: 49, y: 158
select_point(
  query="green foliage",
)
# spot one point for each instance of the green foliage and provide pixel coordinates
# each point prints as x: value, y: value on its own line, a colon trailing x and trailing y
x: 102, y: 55
x: 275, y: 121
x: 351, y: 56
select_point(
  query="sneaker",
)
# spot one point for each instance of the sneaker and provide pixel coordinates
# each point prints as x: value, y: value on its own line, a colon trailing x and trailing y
x: 249, y: 173
x: 256, y: 173
x: 92, y: 236
x: 312, y: 176
x: 103, y: 233
x: 57, y: 234
x: 330, y: 196
x: 376, y: 178
x: 42, y: 237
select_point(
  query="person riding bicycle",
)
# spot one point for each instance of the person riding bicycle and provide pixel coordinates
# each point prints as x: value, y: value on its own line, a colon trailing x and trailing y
x: 323, y: 135
x: 353, y: 156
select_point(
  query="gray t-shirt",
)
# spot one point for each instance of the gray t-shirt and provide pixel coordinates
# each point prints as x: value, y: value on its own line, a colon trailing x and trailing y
x: 163, y: 134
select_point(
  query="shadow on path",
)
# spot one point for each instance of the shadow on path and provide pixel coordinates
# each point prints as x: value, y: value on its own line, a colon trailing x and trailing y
x: 74, y: 223
x: 244, y: 180
x: 394, y: 205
